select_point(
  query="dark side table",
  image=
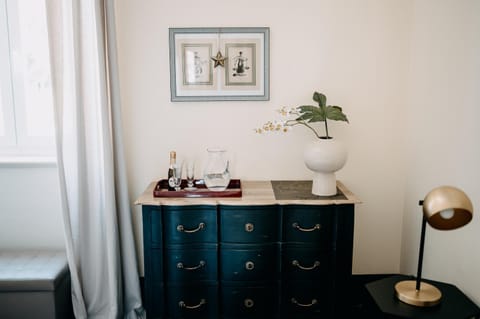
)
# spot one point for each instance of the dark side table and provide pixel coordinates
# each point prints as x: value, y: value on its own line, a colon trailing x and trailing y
x: 454, y: 304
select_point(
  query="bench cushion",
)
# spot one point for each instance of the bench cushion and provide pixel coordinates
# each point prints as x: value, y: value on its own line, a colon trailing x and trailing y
x: 32, y: 270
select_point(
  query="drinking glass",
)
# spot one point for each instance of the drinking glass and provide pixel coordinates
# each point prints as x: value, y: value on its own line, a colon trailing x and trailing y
x: 177, y: 176
x: 190, y: 175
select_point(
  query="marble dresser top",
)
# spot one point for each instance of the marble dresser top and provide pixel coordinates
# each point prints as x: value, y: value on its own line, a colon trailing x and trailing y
x: 259, y: 193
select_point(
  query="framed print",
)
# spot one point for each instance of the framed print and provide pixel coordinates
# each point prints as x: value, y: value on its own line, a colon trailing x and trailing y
x: 197, y: 64
x: 243, y: 67
x: 219, y: 64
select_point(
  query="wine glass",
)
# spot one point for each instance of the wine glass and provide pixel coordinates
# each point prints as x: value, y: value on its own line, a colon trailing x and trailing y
x: 177, y: 176
x: 190, y: 168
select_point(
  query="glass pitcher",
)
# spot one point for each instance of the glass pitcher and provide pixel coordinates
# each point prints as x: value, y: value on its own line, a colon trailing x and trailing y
x: 216, y: 174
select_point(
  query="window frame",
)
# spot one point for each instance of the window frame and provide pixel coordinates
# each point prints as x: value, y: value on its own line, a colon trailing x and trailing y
x: 6, y: 91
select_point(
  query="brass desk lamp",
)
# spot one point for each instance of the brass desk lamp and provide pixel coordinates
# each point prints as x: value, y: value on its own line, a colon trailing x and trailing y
x: 444, y: 208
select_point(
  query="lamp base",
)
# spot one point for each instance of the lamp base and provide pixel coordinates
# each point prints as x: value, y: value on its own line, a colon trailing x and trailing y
x: 427, y: 296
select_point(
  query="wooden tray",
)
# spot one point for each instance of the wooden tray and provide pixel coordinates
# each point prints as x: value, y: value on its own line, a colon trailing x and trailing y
x: 234, y: 189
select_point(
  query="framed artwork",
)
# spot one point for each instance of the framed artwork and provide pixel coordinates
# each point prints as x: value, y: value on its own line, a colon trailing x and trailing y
x: 219, y: 64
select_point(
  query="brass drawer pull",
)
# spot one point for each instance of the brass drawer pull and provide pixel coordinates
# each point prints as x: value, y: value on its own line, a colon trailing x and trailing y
x: 294, y: 301
x: 297, y: 226
x: 297, y: 264
x: 249, y: 227
x: 182, y: 304
x: 248, y: 303
x: 181, y: 228
x: 180, y: 265
x: 249, y: 265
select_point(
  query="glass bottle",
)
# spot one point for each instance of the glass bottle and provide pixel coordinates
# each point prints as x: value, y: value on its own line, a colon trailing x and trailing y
x: 173, y: 160
x: 216, y: 174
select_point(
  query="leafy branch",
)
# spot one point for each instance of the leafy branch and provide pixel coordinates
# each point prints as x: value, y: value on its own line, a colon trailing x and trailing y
x: 307, y: 114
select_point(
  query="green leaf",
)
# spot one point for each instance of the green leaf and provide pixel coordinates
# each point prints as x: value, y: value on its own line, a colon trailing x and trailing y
x: 320, y: 98
x: 307, y: 108
x: 304, y: 117
x: 335, y: 113
x: 310, y: 113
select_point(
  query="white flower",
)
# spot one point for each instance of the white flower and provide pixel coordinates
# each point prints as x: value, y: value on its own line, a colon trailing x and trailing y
x: 287, y: 111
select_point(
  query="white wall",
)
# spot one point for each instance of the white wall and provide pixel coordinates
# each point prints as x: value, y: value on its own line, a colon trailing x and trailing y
x: 443, y: 130
x: 353, y: 51
x: 30, y: 215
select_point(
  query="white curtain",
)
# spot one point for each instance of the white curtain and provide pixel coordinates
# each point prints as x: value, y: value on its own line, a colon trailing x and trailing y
x: 98, y: 223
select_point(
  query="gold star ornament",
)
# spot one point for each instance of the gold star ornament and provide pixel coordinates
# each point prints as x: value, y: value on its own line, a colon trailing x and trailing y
x: 219, y: 59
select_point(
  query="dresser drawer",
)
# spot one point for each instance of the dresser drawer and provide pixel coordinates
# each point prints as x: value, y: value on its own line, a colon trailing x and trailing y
x: 154, y: 299
x: 192, y: 301
x: 156, y: 268
x: 309, y: 224
x: 152, y: 224
x: 306, y: 299
x: 249, y: 262
x: 192, y: 264
x: 305, y: 263
x: 247, y: 301
x: 251, y: 224
x: 190, y: 224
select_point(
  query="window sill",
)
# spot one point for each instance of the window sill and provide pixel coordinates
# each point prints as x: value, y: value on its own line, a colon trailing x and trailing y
x: 27, y: 161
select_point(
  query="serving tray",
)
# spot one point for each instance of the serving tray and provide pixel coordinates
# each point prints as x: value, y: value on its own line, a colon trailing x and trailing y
x: 234, y: 189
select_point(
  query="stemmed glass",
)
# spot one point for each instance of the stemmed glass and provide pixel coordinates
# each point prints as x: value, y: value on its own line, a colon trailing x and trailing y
x: 177, y: 176
x: 190, y: 175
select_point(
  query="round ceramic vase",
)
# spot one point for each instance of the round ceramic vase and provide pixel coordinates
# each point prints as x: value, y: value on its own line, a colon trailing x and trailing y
x: 324, y: 157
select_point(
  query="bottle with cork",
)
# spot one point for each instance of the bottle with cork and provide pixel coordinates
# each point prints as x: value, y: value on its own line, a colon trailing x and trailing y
x: 173, y: 160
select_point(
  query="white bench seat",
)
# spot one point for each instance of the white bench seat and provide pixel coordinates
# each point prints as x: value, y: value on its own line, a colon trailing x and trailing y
x: 34, y: 284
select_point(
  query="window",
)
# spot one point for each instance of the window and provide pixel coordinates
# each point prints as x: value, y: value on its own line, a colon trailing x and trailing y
x: 26, y: 105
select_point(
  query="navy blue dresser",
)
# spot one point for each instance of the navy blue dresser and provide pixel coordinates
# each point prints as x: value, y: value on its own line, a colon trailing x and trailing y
x: 276, y: 252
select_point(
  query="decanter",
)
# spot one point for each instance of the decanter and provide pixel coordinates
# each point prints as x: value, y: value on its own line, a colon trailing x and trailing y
x: 216, y: 174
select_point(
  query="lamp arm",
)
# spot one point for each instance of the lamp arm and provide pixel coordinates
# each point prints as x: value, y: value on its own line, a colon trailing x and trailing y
x: 420, y: 253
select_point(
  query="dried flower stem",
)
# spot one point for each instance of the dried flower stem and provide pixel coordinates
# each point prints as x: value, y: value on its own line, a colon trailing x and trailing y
x: 296, y: 122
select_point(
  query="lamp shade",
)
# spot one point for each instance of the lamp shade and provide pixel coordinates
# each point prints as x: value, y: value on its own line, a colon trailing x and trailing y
x: 447, y: 207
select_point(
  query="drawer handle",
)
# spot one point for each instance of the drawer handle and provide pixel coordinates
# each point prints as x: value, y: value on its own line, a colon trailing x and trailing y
x: 295, y: 302
x: 248, y: 303
x: 249, y: 265
x: 249, y: 227
x: 297, y: 264
x: 180, y: 265
x: 297, y: 226
x: 181, y: 228
x: 182, y: 304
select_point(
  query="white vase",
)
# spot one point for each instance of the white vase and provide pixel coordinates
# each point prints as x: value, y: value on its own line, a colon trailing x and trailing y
x: 324, y: 157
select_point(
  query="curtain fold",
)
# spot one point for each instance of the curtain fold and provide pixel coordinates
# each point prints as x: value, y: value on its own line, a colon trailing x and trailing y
x: 92, y: 171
